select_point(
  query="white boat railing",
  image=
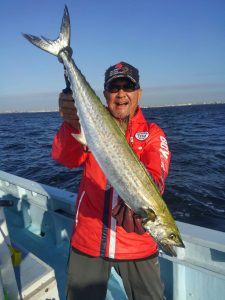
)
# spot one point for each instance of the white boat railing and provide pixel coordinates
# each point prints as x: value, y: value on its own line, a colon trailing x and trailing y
x: 198, y: 271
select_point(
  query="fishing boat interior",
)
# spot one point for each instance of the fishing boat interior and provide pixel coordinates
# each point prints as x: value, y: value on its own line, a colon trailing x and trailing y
x: 35, y: 227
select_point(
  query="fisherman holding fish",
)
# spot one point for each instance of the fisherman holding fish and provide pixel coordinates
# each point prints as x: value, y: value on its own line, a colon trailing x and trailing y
x: 107, y: 233
x: 120, y: 213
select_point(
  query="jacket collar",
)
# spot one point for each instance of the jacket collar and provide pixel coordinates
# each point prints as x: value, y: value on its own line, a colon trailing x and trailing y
x: 138, y: 117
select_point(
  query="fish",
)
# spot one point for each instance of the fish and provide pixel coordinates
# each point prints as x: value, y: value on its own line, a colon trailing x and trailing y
x: 107, y: 142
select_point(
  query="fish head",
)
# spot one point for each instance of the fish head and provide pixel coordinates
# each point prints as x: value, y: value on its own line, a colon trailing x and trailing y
x: 165, y: 233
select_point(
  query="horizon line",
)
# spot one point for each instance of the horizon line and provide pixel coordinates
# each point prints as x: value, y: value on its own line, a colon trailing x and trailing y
x: 143, y: 107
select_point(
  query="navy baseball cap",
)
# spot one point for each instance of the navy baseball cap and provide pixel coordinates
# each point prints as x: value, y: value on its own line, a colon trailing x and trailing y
x: 122, y: 70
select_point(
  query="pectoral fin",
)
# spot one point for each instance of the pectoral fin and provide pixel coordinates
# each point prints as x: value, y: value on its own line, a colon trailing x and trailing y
x: 149, y: 215
x: 80, y: 137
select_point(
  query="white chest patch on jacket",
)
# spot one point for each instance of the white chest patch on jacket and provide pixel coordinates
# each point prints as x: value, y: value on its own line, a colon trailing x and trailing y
x: 141, y: 136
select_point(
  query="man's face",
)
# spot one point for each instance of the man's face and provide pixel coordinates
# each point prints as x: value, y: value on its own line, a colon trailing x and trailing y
x: 122, y: 101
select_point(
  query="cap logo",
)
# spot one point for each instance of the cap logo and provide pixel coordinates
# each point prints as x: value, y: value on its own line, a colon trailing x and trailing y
x: 125, y: 70
x: 141, y: 136
x: 118, y: 66
x: 120, y: 70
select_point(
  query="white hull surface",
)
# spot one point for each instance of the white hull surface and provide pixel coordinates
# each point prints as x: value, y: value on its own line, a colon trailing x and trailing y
x: 40, y: 223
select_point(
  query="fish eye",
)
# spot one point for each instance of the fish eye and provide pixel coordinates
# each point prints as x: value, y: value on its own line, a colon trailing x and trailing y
x: 172, y: 236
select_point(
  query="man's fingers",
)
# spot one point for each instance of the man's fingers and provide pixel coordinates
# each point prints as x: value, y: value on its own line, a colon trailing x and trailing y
x: 66, y: 103
x: 68, y: 114
x: 69, y: 117
x: 61, y: 101
x: 66, y: 99
x: 69, y: 100
x: 68, y: 110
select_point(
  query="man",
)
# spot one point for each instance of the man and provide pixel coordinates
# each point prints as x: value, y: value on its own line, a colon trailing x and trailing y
x: 106, y: 232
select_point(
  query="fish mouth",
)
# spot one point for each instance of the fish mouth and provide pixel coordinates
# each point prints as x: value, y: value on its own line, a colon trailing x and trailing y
x: 180, y: 244
x: 169, y: 249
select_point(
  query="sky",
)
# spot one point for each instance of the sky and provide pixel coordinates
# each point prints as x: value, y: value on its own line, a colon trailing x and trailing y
x: 177, y: 45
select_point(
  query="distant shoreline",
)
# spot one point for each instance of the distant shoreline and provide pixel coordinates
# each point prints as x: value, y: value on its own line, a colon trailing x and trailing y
x: 144, y: 107
x: 184, y: 104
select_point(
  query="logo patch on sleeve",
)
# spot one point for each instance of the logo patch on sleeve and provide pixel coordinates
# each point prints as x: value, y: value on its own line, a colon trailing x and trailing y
x: 141, y: 136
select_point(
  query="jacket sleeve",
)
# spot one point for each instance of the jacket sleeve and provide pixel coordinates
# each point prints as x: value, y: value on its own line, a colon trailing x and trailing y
x: 66, y: 150
x: 156, y: 156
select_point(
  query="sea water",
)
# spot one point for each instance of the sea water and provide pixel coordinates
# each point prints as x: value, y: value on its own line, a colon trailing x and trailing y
x: 195, y: 186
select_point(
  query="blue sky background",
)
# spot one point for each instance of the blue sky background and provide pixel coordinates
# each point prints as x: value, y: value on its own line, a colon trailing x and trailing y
x: 178, y: 47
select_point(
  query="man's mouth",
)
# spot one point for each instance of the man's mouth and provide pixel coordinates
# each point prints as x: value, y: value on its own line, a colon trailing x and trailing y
x: 122, y: 103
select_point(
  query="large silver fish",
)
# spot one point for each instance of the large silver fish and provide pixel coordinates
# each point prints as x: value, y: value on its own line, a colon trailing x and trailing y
x: 108, y: 144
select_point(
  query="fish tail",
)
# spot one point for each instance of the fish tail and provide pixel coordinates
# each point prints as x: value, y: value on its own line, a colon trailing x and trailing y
x: 62, y: 43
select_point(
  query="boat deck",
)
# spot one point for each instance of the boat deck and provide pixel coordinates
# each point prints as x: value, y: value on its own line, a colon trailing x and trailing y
x: 41, y: 221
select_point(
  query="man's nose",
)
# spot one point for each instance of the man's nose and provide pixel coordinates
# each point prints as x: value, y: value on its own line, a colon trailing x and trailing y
x: 121, y: 93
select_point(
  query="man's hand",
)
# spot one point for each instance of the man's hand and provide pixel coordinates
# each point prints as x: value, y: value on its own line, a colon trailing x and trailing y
x: 68, y: 110
x: 126, y: 218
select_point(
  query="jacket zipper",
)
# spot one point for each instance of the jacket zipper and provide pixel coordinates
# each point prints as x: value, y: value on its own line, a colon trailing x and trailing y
x: 78, y: 207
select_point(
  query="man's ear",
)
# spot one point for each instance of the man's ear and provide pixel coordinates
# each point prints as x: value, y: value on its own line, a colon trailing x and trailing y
x: 105, y: 95
x: 139, y: 94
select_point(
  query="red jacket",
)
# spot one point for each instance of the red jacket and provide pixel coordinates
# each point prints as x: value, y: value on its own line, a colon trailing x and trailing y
x: 95, y: 231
